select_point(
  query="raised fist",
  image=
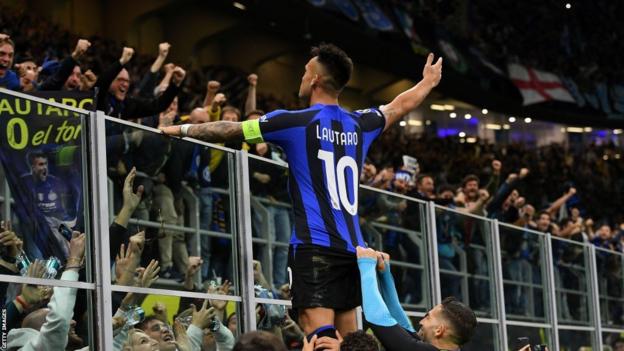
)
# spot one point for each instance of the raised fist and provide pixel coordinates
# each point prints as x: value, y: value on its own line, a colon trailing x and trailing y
x: 511, y: 177
x: 496, y: 166
x: 524, y: 172
x: 572, y: 191
x: 126, y: 55
x: 4, y: 36
x: 252, y: 79
x: 219, y: 99
x: 163, y: 49
x: 483, y: 194
x: 178, y: 75
x: 87, y: 80
x: 213, y: 85
x: 81, y: 47
x: 169, y: 68
x: 589, y: 222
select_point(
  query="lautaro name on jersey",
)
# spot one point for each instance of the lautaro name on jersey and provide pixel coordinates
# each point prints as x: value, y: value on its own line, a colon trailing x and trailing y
x: 326, y: 147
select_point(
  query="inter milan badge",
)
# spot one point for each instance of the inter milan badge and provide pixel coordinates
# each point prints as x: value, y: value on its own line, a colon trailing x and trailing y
x: 52, y: 196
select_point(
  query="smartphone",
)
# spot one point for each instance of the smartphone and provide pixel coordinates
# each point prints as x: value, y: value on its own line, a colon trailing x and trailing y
x: 65, y: 231
x: 521, y: 342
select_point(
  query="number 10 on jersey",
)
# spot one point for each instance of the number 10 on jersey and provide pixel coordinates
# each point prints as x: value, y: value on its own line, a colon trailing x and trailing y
x: 339, y: 194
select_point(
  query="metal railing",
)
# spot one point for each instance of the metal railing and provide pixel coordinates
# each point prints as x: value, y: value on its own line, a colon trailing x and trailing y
x: 480, y: 258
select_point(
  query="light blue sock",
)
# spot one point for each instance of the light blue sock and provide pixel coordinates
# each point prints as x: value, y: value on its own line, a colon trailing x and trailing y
x: 374, y: 308
x: 391, y: 298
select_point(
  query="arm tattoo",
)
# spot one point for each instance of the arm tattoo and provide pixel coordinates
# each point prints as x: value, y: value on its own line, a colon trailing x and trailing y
x: 217, y: 132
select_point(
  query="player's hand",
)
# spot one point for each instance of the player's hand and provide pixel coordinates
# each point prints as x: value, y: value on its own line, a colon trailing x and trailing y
x: 432, y: 73
x: 365, y: 253
x: 382, y: 259
x: 171, y: 130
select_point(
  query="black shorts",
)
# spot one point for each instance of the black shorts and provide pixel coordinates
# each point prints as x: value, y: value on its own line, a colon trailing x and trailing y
x: 323, y: 277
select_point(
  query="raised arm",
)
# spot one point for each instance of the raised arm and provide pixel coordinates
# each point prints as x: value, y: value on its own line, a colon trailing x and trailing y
x: 163, y: 51
x: 106, y: 78
x: 389, y: 292
x: 555, y: 206
x: 56, y: 81
x: 148, y: 83
x: 250, y: 102
x: 411, y: 98
x: 211, y: 91
x: 214, y: 132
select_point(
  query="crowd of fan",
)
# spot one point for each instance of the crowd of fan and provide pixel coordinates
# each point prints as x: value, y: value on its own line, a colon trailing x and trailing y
x: 566, y: 183
x: 573, y: 42
x: 155, y: 173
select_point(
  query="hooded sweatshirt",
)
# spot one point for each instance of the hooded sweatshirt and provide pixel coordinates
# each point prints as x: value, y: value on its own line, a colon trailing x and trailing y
x: 53, y: 333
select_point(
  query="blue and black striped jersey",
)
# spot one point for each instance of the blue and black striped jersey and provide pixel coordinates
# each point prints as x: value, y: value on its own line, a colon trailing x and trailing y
x: 326, y: 147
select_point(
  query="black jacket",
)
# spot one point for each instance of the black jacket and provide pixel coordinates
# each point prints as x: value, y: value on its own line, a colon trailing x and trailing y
x: 131, y: 107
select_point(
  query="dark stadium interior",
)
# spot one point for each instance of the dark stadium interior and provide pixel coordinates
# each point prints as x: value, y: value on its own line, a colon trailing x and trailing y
x: 504, y: 188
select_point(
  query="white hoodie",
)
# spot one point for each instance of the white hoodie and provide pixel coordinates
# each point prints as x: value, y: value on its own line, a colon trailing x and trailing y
x: 53, y: 333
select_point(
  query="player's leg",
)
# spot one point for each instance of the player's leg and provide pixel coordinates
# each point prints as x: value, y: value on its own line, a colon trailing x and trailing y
x: 345, y: 321
x: 350, y: 288
x: 312, y: 277
x: 312, y: 320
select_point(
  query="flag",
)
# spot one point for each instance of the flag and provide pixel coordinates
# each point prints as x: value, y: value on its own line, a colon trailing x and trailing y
x: 538, y: 86
x: 486, y: 62
x: 374, y: 16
